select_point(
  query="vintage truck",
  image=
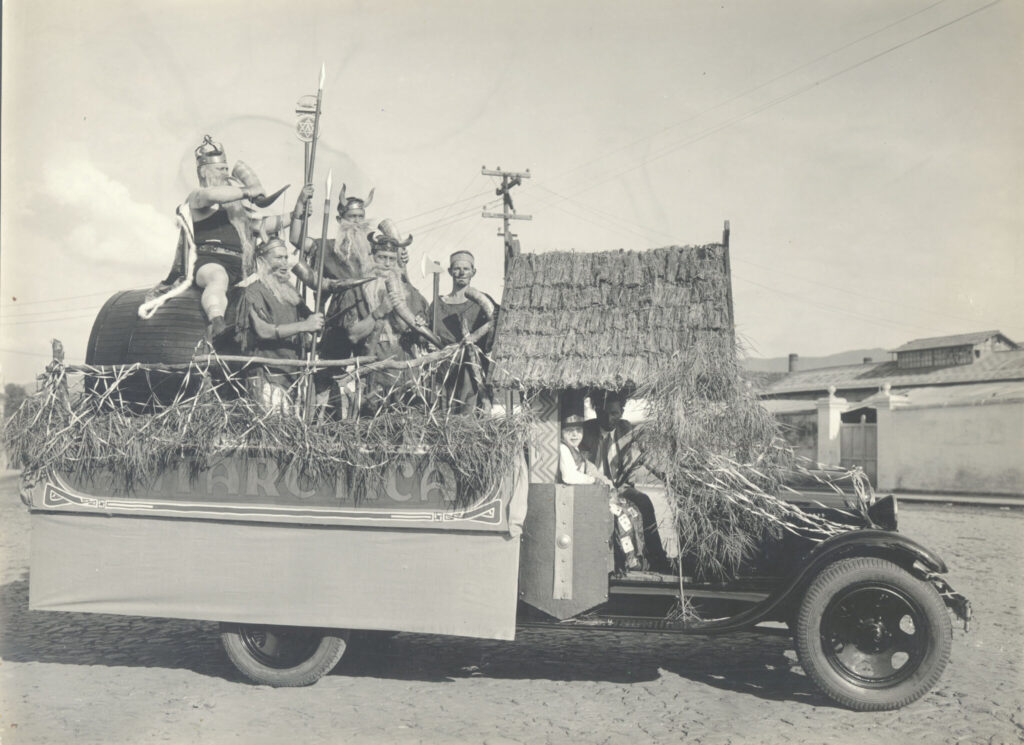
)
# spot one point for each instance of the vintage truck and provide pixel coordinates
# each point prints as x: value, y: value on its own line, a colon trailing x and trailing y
x: 292, y: 567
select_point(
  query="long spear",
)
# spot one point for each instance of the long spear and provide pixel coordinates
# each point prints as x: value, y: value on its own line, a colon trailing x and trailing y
x: 312, y: 156
x: 311, y: 390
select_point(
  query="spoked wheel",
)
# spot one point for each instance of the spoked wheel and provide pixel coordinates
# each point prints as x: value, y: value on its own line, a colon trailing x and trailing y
x: 871, y: 635
x: 283, y: 655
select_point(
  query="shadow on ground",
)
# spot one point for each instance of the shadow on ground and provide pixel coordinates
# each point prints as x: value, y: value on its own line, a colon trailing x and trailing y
x: 751, y: 663
x: 98, y: 639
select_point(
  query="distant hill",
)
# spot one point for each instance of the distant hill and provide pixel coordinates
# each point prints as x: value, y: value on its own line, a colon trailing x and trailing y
x: 781, y: 364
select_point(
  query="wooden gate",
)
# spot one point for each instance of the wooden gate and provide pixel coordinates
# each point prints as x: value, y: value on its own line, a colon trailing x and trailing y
x: 858, y: 446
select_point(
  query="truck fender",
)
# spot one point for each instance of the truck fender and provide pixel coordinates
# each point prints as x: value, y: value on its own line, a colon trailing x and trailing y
x: 878, y: 543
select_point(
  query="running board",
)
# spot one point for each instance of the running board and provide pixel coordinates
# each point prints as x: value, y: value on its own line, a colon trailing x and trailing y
x: 668, y: 590
x: 647, y: 625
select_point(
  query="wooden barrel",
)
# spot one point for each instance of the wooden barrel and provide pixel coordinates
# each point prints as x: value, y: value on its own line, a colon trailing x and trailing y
x: 120, y: 337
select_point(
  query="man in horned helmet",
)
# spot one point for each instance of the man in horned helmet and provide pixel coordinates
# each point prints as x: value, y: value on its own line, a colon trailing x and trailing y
x: 271, y: 322
x: 386, y: 318
x: 218, y: 224
x: 348, y: 256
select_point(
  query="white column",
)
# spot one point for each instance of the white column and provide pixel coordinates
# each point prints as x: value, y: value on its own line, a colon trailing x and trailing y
x: 888, y: 443
x: 829, y: 411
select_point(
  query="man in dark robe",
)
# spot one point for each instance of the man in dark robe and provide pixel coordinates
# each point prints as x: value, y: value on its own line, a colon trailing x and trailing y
x: 460, y: 316
x: 271, y: 321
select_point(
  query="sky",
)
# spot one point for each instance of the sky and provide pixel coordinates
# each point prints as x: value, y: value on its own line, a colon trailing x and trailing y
x: 869, y: 156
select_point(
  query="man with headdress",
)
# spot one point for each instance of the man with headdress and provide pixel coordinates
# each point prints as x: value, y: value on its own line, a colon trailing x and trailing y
x: 218, y: 223
x: 349, y: 255
x: 386, y: 318
x: 460, y: 316
x: 271, y: 321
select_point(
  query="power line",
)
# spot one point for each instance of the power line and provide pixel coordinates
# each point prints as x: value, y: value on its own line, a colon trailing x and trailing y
x: 5, y: 316
x: 812, y: 282
x: 747, y: 92
x: 781, y: 99
x: 877, y: 320
x: 19, y: 304
x: 47, y: 320
x: 472, y: 197
x: 855, y: 293
x: 800, y: 298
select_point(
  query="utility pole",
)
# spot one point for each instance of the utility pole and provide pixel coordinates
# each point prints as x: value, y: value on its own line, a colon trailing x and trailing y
x: 509, y: 179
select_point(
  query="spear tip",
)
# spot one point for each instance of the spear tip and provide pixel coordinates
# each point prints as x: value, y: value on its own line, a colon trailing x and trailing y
x: 330, y: 173
x: 323, y: 71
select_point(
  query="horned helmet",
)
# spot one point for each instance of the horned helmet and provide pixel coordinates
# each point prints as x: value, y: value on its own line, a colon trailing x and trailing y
x: 353, y: 208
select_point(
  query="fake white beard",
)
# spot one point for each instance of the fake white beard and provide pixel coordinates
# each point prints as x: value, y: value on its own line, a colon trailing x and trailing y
x: 282, y: 290
x: 352, y: 247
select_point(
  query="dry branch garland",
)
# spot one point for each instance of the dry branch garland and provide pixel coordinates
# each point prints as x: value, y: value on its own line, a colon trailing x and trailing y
x: 96, y: 426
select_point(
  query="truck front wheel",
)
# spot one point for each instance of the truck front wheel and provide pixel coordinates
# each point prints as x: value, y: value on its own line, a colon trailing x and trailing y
x: 282, y: 656
x: 871, y: 635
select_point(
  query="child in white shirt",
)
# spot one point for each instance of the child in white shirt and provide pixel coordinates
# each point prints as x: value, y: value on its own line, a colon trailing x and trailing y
x: 573, y: 468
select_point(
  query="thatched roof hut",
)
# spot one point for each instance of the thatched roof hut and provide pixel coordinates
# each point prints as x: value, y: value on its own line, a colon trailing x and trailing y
x: 606, y: 320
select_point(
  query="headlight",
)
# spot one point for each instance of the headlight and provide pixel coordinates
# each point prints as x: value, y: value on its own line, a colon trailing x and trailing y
x: 883, y: 512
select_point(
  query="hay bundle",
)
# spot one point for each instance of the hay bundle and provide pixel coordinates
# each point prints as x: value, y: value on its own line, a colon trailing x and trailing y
x: 723, y: 462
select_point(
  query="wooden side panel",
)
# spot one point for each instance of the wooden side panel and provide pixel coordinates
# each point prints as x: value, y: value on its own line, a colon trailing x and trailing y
x: 581, y: 583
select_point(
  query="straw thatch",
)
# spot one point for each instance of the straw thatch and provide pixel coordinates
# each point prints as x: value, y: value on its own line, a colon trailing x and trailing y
x: 607, y: 320
x: 659, y: 323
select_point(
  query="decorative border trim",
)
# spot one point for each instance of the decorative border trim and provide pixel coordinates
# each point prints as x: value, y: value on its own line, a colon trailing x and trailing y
x: 58, y: 496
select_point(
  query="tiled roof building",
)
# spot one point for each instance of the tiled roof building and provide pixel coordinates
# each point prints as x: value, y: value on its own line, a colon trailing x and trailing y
x: 983, y: 357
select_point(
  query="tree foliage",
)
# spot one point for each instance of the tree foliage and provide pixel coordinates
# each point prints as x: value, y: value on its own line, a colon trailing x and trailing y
x: 14, y: 395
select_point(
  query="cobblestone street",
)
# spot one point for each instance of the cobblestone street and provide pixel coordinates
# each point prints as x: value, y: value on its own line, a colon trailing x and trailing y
x: 81, y: 678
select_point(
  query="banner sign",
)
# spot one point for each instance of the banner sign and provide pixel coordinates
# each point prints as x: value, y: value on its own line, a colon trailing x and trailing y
x: 413, y: 493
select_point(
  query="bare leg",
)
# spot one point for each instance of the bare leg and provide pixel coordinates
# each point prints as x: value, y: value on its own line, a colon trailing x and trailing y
x: 213, y: 279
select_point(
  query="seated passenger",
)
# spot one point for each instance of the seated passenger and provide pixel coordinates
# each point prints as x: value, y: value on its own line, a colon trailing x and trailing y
x: 573, y: 468
x: 617, y: 454
x: 270, y: 323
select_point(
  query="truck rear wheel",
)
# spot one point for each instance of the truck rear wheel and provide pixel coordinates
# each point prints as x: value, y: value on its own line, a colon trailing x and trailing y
x: 282, y: 656
x: 872, y: 636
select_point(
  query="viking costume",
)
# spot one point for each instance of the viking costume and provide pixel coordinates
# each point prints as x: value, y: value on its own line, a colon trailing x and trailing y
x: 222, y: 237
x: 269, y: 384
x: 218, y: 242
x: 378, y: 325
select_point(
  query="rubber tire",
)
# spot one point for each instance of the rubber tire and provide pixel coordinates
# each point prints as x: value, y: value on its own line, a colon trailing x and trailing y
x: 815, y: 663
x: 323, y: 659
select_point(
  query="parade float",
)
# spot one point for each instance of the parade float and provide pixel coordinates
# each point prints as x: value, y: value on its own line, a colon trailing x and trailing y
x: 159, y: 487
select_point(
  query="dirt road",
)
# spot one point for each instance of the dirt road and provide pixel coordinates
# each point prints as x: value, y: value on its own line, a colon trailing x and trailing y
x: 79, y: 678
